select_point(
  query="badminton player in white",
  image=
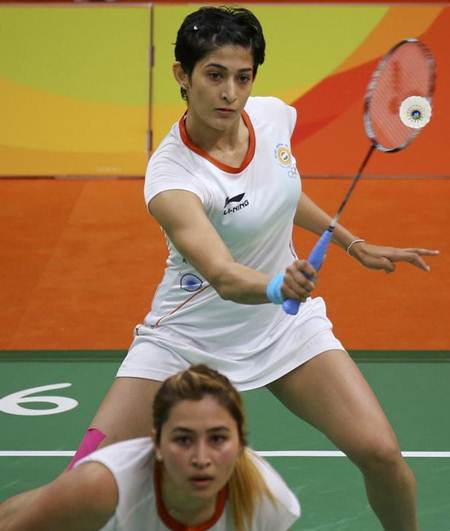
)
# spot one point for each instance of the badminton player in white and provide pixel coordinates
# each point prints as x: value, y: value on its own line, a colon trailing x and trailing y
x: 196, y: 474
x: 225, y: 189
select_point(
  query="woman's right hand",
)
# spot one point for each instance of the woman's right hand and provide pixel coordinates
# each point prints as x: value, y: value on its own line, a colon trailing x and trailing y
x: 299, y: 280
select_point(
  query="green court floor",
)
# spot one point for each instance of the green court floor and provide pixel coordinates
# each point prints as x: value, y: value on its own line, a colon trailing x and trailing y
x: 413, y: 387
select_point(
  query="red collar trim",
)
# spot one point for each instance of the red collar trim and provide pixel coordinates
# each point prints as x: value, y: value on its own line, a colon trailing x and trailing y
x: 224, y: 167
x: 173, y: 524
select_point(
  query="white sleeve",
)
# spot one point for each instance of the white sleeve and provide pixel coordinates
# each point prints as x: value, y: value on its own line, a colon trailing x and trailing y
x: 281, y: 514
x: 292, y: 118
x: 165, y: 173
x: 272, y: 109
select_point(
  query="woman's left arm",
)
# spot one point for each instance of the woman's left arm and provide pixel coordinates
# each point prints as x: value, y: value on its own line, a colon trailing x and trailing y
x: 312, y: 218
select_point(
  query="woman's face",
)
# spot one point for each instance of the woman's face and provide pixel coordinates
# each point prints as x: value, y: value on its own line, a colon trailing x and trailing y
x: 199, y: 446
x: 219, y: 87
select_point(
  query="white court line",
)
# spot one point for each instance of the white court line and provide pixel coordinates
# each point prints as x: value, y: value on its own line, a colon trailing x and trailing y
x: 335, y: 453
x: 269, y: 453
x: 36, y: 453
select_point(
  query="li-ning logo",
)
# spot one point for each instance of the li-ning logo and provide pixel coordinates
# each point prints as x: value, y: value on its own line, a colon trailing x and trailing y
x: 235, y: 199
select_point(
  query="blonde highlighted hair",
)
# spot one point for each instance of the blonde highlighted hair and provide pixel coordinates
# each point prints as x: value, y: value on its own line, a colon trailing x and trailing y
x: 246, y: 484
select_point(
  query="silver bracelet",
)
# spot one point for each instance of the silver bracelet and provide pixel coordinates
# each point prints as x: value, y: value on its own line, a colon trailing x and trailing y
x: 350, y: 245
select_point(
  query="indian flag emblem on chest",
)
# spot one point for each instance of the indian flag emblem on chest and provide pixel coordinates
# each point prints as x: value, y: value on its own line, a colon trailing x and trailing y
x: 283, y: 155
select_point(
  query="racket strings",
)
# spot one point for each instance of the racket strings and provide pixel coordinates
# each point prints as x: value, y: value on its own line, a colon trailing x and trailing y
x: 407, y: 71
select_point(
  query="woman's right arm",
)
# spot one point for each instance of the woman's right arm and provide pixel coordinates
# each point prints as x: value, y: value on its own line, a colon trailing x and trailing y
x: 83, y: 499
x: 180, y: 213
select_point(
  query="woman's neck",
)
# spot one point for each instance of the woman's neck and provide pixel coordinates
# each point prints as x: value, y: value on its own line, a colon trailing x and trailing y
x: 227, y: 146
x: 208, y: 138
x: 186, y: 510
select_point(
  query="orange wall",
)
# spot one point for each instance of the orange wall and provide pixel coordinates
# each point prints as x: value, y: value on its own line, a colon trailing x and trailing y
x: 83, y: 275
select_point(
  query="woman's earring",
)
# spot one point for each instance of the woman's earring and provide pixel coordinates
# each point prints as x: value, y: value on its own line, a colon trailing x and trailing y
x: 159, y: 457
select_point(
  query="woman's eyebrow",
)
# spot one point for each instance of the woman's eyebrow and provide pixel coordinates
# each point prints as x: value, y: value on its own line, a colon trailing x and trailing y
x: 183, y: 429
x: 217, y: 65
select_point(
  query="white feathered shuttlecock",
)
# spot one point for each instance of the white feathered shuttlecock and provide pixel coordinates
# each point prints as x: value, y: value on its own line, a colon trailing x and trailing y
x: 415, y: 112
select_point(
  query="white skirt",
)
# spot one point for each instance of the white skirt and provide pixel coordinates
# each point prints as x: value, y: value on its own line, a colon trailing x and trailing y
x: 156, y: 354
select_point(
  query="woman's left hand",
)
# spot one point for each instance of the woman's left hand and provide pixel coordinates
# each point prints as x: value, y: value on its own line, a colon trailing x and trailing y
x: 379, y: 257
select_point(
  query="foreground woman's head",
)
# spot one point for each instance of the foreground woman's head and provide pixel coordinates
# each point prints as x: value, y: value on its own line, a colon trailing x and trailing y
x: 199, y: 434
x: 199, y: 438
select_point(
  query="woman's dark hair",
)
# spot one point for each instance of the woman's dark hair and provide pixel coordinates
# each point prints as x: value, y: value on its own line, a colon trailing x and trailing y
x: 209, y: 28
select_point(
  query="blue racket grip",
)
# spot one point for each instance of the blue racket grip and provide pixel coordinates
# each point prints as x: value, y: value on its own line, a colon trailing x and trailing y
x: 316, y: 258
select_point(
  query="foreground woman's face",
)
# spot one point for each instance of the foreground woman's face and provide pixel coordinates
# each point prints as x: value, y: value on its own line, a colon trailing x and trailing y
x: 199, y: 446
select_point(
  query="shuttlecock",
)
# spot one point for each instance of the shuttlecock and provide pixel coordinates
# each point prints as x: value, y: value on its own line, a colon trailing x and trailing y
x: 415, y: 112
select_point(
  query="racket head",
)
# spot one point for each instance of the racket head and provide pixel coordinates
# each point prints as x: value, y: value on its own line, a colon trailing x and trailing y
x: 407, y: 70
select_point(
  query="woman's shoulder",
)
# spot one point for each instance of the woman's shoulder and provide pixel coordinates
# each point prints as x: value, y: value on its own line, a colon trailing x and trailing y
x: 129, y: 454
x: 265, y: 104
x: 171, y: 144
x: 263, y: 109
x: 277, y: 486
x: 171, y: 154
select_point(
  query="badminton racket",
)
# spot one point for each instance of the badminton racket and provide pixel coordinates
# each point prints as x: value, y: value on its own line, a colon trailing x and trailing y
x: 397, y: 105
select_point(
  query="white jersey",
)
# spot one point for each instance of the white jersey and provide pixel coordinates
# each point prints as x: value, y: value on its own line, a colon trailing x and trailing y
x: 252, y: 209
x: 140, y: 507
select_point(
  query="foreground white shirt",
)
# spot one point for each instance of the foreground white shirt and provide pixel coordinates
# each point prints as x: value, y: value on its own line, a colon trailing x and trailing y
x: 132, y: 465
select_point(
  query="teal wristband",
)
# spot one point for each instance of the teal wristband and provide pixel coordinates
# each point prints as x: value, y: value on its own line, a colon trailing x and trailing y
x: 273, y: 289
